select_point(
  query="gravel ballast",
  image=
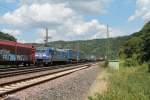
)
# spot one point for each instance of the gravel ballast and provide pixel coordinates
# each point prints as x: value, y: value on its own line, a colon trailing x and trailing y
x: 74, y: 86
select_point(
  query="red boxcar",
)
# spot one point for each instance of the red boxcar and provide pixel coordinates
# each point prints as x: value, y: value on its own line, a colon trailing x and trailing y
x: 16, y: 53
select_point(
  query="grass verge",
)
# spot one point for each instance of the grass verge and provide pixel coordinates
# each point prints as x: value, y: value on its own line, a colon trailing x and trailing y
x: 128, y: 83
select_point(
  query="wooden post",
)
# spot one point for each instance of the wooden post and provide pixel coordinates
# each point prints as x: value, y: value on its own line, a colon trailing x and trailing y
x: 149, y: 67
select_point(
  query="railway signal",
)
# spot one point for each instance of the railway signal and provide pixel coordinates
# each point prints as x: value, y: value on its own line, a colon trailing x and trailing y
x: 107, y: 44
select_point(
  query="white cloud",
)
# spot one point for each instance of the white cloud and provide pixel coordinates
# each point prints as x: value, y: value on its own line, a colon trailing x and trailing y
x: 81, y: 30
x: 13, y: 32
x: 21, y: 40
x: 40, y: 40
x: 81, y: 6
x: 37, y: 15
x: 142, y: 10
x: 64, y: 18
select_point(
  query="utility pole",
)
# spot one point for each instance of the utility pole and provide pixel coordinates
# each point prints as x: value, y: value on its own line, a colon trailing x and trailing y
x: 107, y: 51
x: 46, y: 37
x: 78, y: 54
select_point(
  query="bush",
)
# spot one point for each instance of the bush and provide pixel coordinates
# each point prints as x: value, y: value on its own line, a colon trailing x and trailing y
x: 130, y: 62
x: 106, y: 63
x: 127, y: 84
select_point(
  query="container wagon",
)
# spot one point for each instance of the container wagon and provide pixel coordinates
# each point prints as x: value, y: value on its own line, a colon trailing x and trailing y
x: 14, y: 53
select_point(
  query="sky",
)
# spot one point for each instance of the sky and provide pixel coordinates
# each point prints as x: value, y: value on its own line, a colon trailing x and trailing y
x: 72, y: 19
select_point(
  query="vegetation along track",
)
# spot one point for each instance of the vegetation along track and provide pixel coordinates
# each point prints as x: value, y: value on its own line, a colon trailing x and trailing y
x: 24, y: 70
x: 14, y: 86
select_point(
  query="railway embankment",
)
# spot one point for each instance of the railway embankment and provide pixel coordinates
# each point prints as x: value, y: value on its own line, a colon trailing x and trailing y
x: 101, y: 83
x: 127, y: 83
x: 69, y: 87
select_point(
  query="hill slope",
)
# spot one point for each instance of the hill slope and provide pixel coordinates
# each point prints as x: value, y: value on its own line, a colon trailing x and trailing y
x: 137, y: 47
x: 4, y: 36
x: 95, y: 47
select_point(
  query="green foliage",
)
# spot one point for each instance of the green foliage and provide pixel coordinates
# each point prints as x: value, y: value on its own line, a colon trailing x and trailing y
x: 4, y: 36
x: 127, y: 84
x: 106, y: 63
x: 137, y: 47
x: 95, y: 47
x: 103, y: 64
x: 129, y: 62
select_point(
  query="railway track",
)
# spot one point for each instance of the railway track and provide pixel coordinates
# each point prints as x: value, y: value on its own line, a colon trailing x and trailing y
x: 13, y: 78
x: 17, y: 85
x: 25, y: 70
x: 12, y: 68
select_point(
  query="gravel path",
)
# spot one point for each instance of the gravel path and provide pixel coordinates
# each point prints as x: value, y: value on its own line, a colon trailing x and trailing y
x: 29, y: 75
x: 71, y: 87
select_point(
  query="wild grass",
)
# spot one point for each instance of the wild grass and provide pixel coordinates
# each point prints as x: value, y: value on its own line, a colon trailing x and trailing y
x: 103, y: 64
x: 129, y: 83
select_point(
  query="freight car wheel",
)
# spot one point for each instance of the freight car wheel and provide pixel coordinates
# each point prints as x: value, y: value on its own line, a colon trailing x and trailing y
x: 17, y: 64
x: 24, y: 64
x: 45, y: 65
x: 29, y: 64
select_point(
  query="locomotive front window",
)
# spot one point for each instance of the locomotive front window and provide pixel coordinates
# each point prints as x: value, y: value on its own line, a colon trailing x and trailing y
x: 40, y: 51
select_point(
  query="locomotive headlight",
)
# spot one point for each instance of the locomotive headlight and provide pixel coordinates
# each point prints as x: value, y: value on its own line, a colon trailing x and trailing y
x: 44, y: 55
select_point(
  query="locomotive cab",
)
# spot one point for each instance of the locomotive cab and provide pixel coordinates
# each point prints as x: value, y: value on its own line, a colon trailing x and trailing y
x: 43, y: 56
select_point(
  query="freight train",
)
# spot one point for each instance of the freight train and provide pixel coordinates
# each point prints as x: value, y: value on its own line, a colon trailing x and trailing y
x: 13, y: 53
x: 48, y: 56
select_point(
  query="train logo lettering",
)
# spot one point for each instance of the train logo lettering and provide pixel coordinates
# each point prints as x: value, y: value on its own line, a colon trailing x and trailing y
x: 4, y: 51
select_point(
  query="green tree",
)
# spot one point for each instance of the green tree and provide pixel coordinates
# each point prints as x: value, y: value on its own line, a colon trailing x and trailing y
x: 137, y: 47
x: 4, y: 36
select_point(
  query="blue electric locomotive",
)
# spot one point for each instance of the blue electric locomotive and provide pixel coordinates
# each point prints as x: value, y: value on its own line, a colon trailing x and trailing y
x: 47, y: 56
x: 72, y: 56
x: 44, y: 55
x: 60, y: 56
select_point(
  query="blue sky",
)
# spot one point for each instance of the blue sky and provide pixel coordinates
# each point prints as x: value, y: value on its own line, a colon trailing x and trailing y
x: 72, y: 20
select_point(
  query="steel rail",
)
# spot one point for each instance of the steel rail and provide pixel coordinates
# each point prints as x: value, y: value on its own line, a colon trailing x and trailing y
x: 6, y: 89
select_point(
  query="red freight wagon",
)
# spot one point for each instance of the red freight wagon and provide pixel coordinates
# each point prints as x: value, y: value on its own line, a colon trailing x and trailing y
x: 16, y: 53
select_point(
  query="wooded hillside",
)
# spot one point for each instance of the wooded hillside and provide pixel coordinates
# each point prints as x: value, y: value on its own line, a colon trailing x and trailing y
x: 4, y: 36
x: 137, y: 48
x: 96, y: 47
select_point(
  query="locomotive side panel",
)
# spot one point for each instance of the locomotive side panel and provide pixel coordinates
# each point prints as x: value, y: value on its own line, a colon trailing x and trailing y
x: 60, y: 56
